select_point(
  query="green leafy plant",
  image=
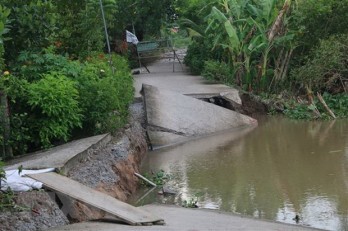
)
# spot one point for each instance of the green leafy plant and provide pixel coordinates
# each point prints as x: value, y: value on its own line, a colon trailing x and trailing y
x: 218, y: 71
x: 302, y: 111
x: 33, y: 26
x: 248, y: 36
x: 32, y: 65
x: 299, y: 112
x: 54, y: 99
x: 308, y: 20
x: 104, y: 95
x: 321, y: 73
x: 197, y: 53
x: 8, y: 202
x: 190, y: 203
x: 159, y: 178
x: 337, y: 103
x: 4, y: 13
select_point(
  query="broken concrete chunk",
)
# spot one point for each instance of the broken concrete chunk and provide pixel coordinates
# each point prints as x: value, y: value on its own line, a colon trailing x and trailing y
x: 232, y: 97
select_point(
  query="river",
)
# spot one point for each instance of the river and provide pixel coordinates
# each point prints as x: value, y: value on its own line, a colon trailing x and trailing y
x: 278, y: 170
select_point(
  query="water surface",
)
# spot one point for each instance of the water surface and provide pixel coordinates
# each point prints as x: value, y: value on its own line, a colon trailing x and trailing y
x: 278, y: 170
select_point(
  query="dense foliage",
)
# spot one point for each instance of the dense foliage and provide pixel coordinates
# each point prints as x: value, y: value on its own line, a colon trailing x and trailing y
x: 55, y: 80
x: 271, y: 46
x: 248, y: 36
x: 327, y: 67
x: 50, y: 102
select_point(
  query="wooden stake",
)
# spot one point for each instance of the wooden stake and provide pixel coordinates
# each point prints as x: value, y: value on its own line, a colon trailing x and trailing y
x: 143, y: 178
x: 322, y: 101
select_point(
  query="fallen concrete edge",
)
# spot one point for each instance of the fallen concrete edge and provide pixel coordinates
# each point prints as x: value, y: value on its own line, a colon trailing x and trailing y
x: 191, y: 138
x: 164, y: 135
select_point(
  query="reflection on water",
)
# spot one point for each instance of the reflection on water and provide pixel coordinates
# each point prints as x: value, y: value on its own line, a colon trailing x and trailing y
x: 279, y: 169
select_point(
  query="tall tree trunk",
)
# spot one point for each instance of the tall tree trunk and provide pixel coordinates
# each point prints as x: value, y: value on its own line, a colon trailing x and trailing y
x: 278, y: 23
x: 5, y: 114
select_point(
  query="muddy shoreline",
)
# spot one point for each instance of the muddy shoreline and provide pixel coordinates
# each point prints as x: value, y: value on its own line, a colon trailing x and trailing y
x: 109, y: 168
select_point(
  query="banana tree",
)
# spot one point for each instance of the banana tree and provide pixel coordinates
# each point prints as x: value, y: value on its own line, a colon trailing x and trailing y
x: 247, y: 30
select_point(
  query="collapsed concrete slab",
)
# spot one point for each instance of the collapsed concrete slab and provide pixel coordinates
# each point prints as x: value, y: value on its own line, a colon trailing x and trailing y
x: 179, y: 117
x: 127, y: 213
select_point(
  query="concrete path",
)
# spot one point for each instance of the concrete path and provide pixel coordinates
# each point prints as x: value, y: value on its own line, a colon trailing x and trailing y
x: 58, y: 157
x: 180, y: 81
x: 183, y: 219
x: 127, y: 213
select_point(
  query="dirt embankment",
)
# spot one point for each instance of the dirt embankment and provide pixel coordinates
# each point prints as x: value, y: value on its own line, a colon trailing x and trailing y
x: 109, y: 169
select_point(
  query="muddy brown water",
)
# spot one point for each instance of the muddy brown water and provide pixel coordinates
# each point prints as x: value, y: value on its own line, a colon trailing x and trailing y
x: 276, y: 171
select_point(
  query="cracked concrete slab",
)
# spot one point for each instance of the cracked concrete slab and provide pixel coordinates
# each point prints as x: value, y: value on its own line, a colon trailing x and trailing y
x: 60, y: 156
x: 185, y: 116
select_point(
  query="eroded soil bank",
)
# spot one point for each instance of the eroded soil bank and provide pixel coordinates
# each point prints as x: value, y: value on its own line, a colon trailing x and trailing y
x: 109, y: 169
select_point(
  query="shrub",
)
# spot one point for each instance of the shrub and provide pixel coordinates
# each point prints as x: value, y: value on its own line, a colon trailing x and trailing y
x: 33, y: 26
x: 31, y: 65
x: 327, y: 67
x: 54, y: 101
x: 308, y: 21
x: 337, y: 103
x: 197, y: 54
x: 4, y: 13
x: 218, y: 71
x: 104, y: 95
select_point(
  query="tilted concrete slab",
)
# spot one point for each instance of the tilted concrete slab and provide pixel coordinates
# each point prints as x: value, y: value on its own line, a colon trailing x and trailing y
x: 129, y: 214
x: 182, y: 219
x: 60, y: 156
x: 184, y: 116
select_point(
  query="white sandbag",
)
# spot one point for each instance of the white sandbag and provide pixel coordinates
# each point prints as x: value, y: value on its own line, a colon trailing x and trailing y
x: 19, y: 183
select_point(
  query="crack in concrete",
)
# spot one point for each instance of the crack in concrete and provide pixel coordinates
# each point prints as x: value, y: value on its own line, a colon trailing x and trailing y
x: 162, y: 129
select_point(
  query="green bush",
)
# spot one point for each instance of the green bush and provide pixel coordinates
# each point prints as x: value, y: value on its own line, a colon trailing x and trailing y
x: 197, y: 53
x: 54, y: 101
x: 32, y: 24
x: 4, y: 13
x: 326, y: 68
x: 218, y: 71
x: 104, y: 95
x: 31, y: 65
x: 337, y: 103
x: 318, y: 19
x: 299, y: 112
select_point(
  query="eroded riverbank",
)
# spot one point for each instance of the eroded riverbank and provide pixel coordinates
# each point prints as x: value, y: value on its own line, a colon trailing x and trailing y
x: 108, y: 168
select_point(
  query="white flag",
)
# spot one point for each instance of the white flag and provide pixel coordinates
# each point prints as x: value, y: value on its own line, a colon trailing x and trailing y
x: 131, y: 38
